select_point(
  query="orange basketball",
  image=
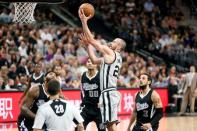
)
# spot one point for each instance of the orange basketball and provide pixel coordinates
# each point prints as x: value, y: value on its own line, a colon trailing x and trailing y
x: 88, y: 9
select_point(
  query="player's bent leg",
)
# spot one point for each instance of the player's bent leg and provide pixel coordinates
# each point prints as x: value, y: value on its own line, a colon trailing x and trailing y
x: 138, y: 128
x: 109, y: 110
x: 24, y: 124
x: 98, y: 121
x: 155, y: 128
x: 85, y: 115
x: 100, y: 126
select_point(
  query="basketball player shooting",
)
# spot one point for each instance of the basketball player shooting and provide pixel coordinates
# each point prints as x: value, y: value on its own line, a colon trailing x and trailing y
x: 148, y: 107
x: 110, y: 65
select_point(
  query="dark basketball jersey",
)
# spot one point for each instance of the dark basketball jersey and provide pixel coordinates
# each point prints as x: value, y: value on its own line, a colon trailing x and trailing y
x: 42, y: 98
x: 90, y: 89
x: 145, y: 108
x: 37, y: 80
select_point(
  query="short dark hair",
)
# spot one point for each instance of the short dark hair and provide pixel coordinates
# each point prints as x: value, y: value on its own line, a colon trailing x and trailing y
x: 53, y: 87
x: 149, y: 77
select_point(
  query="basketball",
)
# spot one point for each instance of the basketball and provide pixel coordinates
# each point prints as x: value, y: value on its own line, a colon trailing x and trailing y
x: 88, y: 9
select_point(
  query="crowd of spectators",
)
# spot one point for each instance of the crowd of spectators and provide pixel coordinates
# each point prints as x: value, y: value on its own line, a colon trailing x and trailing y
x: 157, y: 26
x: 23, y: 46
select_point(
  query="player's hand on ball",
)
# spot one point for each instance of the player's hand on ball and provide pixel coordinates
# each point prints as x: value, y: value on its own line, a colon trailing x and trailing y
x: 82, y: 16
x: 146, y: 126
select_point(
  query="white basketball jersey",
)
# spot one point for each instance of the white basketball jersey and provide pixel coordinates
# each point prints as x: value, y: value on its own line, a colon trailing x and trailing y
x: 58, y: 115
x: 109, y: 73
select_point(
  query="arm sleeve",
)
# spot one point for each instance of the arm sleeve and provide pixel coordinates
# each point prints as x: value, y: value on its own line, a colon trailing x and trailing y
x: 158, y: 115
x: 39, y: 119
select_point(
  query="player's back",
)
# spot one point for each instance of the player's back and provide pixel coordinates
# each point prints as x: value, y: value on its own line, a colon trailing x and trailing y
x: 59, y: 115
x: 109, y: 73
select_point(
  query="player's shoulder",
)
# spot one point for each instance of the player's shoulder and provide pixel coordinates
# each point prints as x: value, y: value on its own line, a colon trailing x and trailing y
x: 84, y: 74
x: 69, y: 105
x: 118, y: 54
x: 154, y: 92
x: 154, y: 95
x: 47, y: 103
x: 44, y: 107
x: 63, y: 100
x: 118, y: 57
x: 34, y: 90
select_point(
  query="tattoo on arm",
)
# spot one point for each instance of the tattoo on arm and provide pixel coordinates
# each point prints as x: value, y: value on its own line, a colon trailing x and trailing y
x: 29, y: 99
x: 156, y: 100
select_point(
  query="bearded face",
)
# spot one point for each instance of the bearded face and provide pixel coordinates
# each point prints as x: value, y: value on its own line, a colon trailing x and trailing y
x: 143, y: 82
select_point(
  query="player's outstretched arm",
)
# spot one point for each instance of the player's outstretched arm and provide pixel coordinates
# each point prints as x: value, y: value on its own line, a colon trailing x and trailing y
x: 31, y: 95
x: 84, y: 19
x: 89, y: 49
x: 132, y: 119
x: 93, y: 57
x: 107, y: 53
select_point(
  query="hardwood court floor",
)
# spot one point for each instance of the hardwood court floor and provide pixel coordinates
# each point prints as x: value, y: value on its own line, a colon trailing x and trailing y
x: 166, y: 124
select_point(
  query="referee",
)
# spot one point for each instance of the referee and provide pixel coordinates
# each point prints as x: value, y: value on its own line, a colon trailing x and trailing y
x: 57, y: 114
